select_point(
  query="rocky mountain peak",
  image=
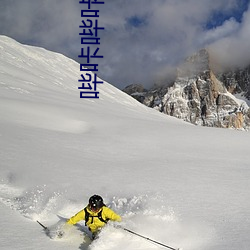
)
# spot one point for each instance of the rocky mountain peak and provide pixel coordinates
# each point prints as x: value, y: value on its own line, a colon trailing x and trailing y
x: 196, y: 64
x: 202, y: 97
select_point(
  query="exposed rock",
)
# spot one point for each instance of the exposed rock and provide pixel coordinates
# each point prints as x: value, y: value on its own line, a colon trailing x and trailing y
x: 133, y: 88
x: 201, y: 97
x: 137, y: 91
x: 237, y: 81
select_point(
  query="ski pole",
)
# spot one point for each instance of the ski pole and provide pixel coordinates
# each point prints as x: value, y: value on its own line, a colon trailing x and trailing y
x: 146, y: 238
x: 45, y: 228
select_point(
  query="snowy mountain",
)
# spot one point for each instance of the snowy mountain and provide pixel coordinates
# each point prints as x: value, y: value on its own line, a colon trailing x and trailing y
x: 201, y: 96
x: 183, y: 185
x: 237, y: 81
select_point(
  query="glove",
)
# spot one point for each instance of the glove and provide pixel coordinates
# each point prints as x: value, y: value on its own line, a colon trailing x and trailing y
x: 62, y: 229
x: 60, y: 234
x: 118, y: 226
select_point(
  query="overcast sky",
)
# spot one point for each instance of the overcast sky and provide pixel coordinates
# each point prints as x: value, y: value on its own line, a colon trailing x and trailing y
x: 143, y: 39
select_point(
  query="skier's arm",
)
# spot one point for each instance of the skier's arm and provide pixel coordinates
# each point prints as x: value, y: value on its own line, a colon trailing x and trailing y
x: 77, y: 217
x: 110, y: 214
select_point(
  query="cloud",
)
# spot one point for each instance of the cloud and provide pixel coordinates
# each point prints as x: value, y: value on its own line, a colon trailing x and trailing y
x: 233, y: 49
x: 218, y: 33
x: 48, y: 23
x: 143, y: 39
x: 169, y: 31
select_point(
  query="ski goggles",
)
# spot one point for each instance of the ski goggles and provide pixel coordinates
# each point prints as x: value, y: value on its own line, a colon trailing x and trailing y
x: 94, y: 208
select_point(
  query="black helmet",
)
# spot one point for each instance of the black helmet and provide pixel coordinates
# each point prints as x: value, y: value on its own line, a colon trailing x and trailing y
x: 96, y: 202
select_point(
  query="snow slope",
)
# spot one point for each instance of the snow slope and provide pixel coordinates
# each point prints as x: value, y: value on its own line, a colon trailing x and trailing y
x: 173, y: 182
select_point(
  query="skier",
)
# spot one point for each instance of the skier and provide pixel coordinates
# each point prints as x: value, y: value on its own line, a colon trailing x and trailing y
x: 95, y: 214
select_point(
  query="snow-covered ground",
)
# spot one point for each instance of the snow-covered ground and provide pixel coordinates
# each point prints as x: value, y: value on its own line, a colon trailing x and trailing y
x: 181, y: 185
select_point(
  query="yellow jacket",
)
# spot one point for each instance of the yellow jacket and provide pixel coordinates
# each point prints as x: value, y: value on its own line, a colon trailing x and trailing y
x: 94, y: 223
